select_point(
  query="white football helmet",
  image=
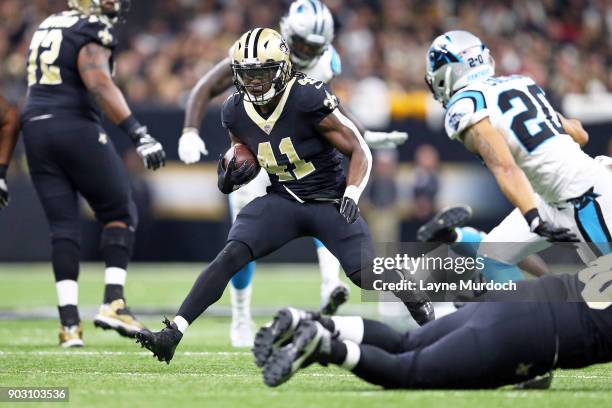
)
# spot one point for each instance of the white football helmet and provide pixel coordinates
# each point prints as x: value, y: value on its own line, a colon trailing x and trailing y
x: 308, y: 28
x: 455, y: 60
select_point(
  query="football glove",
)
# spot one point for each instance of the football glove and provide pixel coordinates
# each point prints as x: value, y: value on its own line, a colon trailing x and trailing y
x: 191, y: 146
x: 231, y: 178
x: 4, y: 195
x: 150, y: 150
x: 349, y: 209
x: 547, y: 230
x: 385, y: 140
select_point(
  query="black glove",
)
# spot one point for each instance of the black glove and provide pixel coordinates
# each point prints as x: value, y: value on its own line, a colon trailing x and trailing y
x: 547, y: 230
x: 4, y: 195
x: 349, y: 209
x: 232, y: 177
x: 150, y: 150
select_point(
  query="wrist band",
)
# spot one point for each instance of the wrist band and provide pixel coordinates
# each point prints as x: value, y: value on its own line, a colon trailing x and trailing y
x: 129, y: 125
x: 3, y: 169
x: 531, y: 215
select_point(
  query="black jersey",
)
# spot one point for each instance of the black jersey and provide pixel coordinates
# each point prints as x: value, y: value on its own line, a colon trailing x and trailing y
x: 54, y: 82
x: 301, y: 163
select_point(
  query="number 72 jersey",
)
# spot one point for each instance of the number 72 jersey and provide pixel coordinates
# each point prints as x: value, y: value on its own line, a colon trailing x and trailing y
x: 54, y: 81
x: 554, y: 164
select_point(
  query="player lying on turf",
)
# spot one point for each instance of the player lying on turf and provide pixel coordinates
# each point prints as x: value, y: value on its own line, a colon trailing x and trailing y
x: 300, y: 136
x: 308, y: 29
x: 70, y: 64
x: 560, y: 193
x: 9, y: 132
x: 486, y: 344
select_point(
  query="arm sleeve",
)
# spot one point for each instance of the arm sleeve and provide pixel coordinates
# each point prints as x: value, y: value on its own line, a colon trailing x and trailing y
x: 463, y: 112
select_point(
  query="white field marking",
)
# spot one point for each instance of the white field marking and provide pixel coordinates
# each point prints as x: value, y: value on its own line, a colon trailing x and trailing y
x: 120, y: 353
x: 163, y: 374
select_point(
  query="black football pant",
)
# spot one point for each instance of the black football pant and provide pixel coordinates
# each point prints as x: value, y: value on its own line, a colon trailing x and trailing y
x: 266, y: 224
x: 69, y: 155
x: 484, y: 345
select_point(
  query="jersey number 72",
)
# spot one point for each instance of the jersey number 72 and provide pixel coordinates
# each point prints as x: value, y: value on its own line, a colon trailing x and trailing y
x: 52, y: 40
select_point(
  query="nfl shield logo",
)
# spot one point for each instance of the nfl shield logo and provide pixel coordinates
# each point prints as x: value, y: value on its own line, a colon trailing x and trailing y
x: 267, y: 128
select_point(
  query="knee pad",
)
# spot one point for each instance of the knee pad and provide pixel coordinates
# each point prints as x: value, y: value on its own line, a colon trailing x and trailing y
x: 123, y: 237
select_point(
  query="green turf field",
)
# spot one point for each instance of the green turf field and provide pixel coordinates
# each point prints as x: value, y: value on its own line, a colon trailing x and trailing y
x: 206, y: 372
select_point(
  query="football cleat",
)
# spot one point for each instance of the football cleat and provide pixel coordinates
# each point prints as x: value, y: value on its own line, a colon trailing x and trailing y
x: 162, y: 343
x: 117, y: 316
x: 278, y: 332
x: 71, y: 336
x: 241, y: 333
x: 441, y: 228
x: 299, y: 353
x: 333, y: 296
x: 422, y: 312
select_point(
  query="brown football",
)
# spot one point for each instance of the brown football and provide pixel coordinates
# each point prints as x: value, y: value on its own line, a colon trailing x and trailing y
x: 241, y: 153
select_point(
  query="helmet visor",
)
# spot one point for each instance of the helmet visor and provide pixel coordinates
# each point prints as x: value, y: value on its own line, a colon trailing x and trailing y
x: 306, y: 50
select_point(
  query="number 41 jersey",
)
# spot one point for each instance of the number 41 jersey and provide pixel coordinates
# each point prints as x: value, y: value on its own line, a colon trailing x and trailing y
x: 554, y: 164
x: 54, y: 82
x: 301, y: 163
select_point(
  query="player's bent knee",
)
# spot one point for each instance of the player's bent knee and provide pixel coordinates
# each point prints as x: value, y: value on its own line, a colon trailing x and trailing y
x: 234, y: 256
x: 119, y: 236
x: 125, y: 213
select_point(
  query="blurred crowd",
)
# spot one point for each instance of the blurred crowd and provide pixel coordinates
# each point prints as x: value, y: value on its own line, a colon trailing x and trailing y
x: 565, y: 45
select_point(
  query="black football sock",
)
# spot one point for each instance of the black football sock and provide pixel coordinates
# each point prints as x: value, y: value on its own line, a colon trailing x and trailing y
x: 65, y: 261
x: 337, y: 354
x: 209, y: 286
x: 326, y: 322
x: 116, y: 245
x: 69, y: 315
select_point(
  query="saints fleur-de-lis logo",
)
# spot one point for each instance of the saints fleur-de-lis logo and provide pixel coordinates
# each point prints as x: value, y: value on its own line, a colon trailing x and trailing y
x: 331, y: 101
x: 103, y: 139
x: 105, y: 36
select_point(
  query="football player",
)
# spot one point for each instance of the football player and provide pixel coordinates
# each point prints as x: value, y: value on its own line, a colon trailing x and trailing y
x: 560, y: 193
x: 308, y: 29
x: 70, y: 66
x: 486, y: 344
x: 293, y: 125
x: 9, y: 131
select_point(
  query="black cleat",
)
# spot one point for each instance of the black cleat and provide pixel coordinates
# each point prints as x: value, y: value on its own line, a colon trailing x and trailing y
x: 163, y: 343
x: 299, y: 353
x: 278, y: 332
x: 337, y: 297
x: 422, y: 312
x: 541, y: 382
x: 441, y: 228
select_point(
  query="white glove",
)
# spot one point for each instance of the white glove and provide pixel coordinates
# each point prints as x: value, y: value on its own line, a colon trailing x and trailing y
x: 385, y: 140
x: 191, y: 146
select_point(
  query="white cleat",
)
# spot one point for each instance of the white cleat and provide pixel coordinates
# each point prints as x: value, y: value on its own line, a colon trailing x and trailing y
x: 242, y: 333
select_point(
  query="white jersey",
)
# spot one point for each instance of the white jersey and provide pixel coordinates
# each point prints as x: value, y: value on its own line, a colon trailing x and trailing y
x: 552, y: 161
x: 326, y: 67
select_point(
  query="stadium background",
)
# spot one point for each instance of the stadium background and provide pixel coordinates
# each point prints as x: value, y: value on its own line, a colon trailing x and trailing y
x: 165, y: 46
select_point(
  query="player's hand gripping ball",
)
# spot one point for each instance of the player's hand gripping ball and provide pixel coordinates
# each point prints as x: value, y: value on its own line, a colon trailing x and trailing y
x: 237, y: 167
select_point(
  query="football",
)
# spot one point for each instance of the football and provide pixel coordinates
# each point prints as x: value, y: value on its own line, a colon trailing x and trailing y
x: 241, y: 153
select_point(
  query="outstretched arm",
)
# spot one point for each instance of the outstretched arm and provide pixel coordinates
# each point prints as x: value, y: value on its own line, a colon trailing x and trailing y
x: 94, y: 68
x: 343, y: 134
x: 482, y: 138
x: 214, y: 83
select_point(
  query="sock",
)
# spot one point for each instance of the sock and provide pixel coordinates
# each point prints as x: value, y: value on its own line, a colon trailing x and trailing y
x: 468, y: 241
x: 349, y: 327
x: 116, y: 255
x: 378, y: 367
x: 210, y: 284
x: 65, y: 261
x: 114, y: 279
x: 337, y: 353
x: 241, y: 303
x: 68, y: 299
x: 181, y: 323
x: 244, y: 277
x: 328, y: 264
